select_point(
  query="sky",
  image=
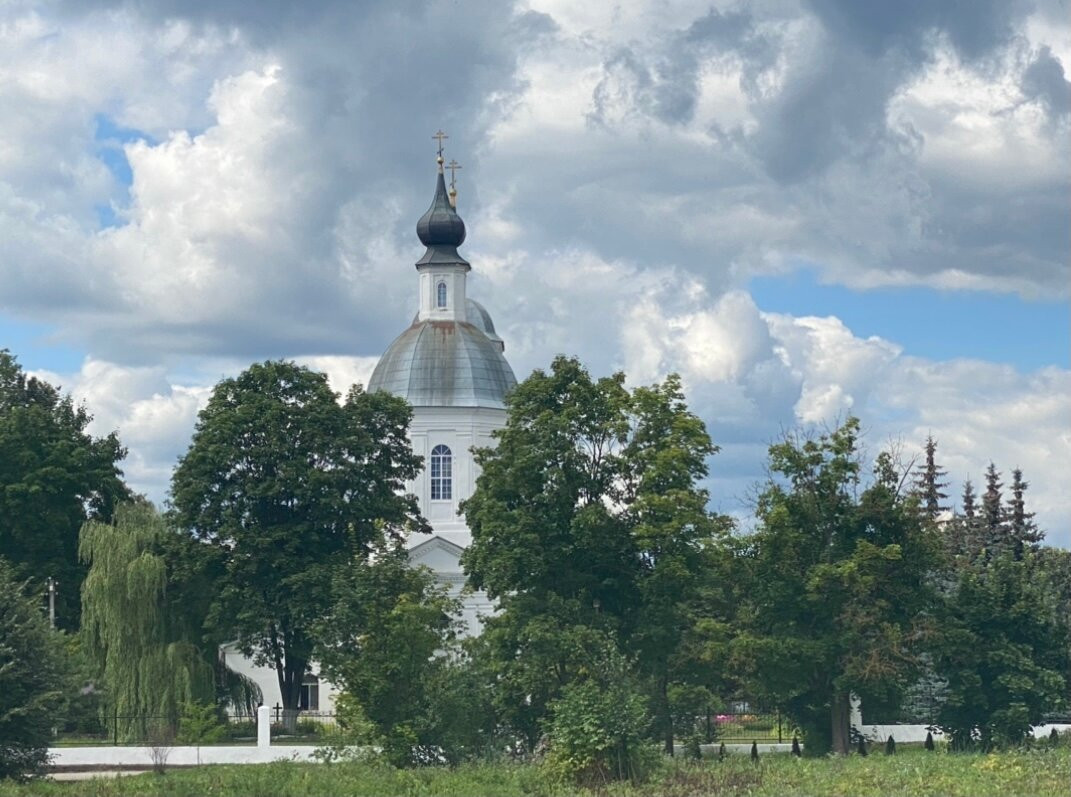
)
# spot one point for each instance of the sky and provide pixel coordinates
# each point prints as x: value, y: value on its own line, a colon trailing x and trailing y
x: 807, y: 209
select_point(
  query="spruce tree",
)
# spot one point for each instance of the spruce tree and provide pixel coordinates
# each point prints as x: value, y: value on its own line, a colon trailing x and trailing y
x: 994, y: 527
x: 964, y: 532
x: 929, y: 483
x: 1022, y: 530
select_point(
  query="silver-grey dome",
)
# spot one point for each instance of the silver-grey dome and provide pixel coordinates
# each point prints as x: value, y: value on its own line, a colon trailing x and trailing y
x: 444, y: 364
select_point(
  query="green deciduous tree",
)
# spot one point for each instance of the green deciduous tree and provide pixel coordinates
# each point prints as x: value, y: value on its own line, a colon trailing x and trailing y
x: 1002, y: 649
x: 54, y: 476
x: 286, y: 486
x: 32, y: 679
x: 588, y: 516
x: 133, y: 629
x: 838, y: 586
x: 386, y: 642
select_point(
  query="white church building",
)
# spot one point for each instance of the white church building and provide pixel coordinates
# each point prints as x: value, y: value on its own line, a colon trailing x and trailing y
x: 449, y: 365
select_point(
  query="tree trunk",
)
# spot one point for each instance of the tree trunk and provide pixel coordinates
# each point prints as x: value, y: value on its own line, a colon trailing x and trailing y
x: 841, y: 723
x: 291, y: 674
x: 667, y: 714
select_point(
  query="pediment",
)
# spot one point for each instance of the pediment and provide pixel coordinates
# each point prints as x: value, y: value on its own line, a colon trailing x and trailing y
x: 440, y: 555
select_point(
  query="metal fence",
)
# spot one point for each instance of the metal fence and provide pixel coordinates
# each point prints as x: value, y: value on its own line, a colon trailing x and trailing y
x: 745, y: 724
x: 150, y: 729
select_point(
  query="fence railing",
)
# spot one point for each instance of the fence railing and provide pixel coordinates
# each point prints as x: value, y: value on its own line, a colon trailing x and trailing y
x: 748, y: 726
x: 152, y: 729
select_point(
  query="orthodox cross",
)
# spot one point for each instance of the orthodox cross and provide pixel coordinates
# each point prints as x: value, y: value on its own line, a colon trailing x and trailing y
x: 440, y: 136
x: 453, y: 166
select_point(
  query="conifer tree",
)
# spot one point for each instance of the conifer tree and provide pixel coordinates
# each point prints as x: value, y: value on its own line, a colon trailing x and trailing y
x: 1023, y: 531
x: 994, y: 528
x: 964, y: 533
x: 929, y: 483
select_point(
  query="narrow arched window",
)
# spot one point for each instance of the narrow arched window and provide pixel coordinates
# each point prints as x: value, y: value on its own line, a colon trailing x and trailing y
x: 440, y: 295
x: 442, y: 474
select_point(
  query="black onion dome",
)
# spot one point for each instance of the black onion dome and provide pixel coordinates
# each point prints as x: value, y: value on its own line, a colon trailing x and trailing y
x: 441, y: 226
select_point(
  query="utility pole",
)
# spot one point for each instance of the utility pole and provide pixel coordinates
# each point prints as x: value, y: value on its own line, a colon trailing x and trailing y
x: 51, y: 584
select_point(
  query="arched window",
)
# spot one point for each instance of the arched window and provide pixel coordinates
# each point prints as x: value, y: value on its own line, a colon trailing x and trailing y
x: 442, y: 474
x: 440, y: 295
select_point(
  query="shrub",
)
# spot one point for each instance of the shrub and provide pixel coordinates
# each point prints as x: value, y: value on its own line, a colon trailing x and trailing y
x: 32, y: 678
x: 597, y: 727
x: 200, y: 723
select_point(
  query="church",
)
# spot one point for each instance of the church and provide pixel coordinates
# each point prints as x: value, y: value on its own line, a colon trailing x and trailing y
x: 451, y: 368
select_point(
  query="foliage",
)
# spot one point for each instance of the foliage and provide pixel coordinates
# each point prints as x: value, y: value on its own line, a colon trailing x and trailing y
x: 201, y: 723
x: 587, y: 517
x: 53, y: 477
x: 911, y: 773
x: 285, y: 487
x: 928, y: 483
x: 838, y: 585
x: 32, y: 678
x: 384, y: 643
x: 597, y: 725
x: 1003, y: 652
x: 148, y: 666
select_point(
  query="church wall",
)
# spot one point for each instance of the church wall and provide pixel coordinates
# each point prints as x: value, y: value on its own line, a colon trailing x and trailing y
x: 460, y: 429
x: 268, y: 681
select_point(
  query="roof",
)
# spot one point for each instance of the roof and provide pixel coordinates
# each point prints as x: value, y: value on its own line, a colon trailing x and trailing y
x: 445, y: 364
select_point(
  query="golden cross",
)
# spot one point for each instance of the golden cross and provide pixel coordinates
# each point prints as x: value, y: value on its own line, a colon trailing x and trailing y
x: 440, y: 136
x: 453, y: 166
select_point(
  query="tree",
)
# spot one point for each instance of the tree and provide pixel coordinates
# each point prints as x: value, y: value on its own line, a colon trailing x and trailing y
x: 286, y: 486
x: 31, y: 679
x: 994, y: 528
x: 386, y: 642
x: 54, y: 476
x: 1022, y: 530
x: 587, y: 518
x: 1002, y: 648
x: 838, y: 585
x: 149, y: 663
x: 964, y: 532
x: 929, y: 484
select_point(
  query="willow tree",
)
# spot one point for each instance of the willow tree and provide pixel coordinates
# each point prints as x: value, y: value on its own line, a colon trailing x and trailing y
x: 149, y: 668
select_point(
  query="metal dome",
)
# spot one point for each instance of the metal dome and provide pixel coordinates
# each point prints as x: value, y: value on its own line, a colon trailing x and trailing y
x: 445, y: 364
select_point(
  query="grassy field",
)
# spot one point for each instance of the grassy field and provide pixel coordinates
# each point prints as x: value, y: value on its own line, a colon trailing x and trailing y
x: 912, y: 772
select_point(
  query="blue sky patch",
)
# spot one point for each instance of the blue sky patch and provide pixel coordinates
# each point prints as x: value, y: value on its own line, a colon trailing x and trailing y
x: 939, y: 325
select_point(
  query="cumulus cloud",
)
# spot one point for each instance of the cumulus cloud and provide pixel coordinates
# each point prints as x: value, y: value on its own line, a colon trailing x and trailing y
x: 235, y: 181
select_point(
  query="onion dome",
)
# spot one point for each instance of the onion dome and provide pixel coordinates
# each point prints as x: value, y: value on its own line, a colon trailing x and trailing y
x: 440, y: 228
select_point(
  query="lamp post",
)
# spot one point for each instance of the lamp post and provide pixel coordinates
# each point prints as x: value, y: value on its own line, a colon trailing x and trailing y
x: 51, y: 585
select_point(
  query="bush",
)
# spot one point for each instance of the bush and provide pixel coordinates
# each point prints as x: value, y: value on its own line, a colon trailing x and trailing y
x: 597, y: 727
x: 32, y: 680
x: 200, y: 723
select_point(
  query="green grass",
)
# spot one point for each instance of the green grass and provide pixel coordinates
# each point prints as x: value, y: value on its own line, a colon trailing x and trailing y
x: 913, y: 772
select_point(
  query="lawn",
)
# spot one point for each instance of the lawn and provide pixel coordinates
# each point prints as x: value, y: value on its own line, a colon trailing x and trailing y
x: 912, y: 772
